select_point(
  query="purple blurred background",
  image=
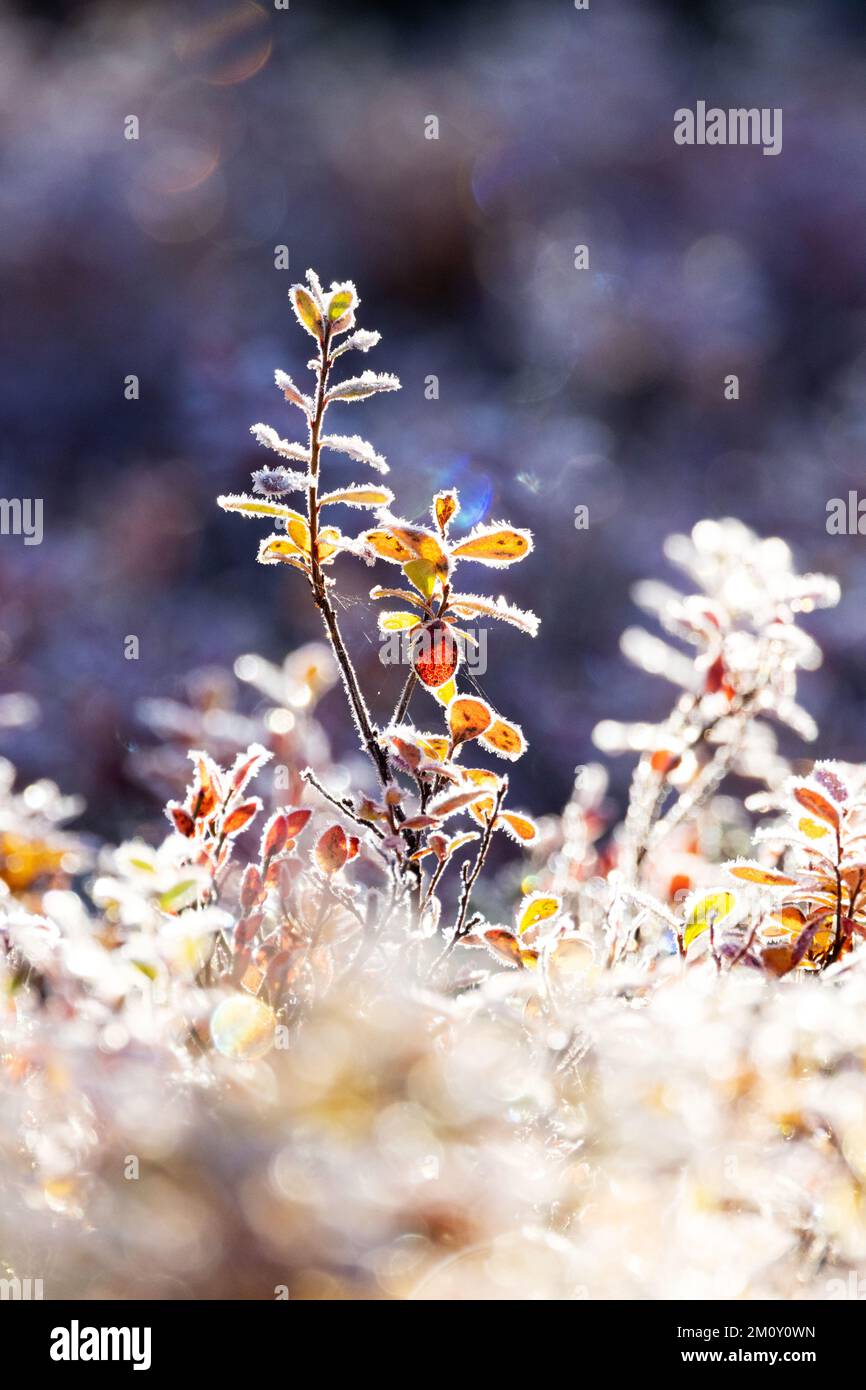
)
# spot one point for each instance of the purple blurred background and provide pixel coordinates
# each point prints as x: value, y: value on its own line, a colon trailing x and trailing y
x: 557, y: 387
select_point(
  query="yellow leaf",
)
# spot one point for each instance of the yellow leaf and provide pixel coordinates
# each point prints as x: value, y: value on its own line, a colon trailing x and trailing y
x: 397, y: 622
x: 359, y: 496
x: 259, y: 506
x: 493, y: 545
x: 278, y: 548
x: 307, y: 310
x: 435, y: 746
x: 445, y: 693
x: 423, y: 574
x: 340, y: 302
x: 505, y: 739
x: 328, y: 543
x: 299, y: 532
x: 467, y: 718
x: 707, y: 908
x: 536, y: 907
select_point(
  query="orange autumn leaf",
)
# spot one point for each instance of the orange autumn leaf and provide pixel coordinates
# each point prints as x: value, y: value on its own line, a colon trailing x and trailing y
x: 505, y: 946
x: 467, y: 718
x: 817, y: 805
x: 241, y: 816
x: 494, y: 545
x: 435, y: 746
x: 757, y: 873
x: 387, y: 547
x: 480, y: 777
x: 504, y: 739
x: 445, y: 508
x: 451, y: 802
x: 521, y: 828
x: 422, y: 544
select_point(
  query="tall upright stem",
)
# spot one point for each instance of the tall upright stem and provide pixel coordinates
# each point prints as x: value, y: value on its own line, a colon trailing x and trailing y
x: 361, y: 714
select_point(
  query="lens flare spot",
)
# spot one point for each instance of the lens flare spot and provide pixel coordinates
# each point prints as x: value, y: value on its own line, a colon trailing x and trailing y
x: 242, y: 1028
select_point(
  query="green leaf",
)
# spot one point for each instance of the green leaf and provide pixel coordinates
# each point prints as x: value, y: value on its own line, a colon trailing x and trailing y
x: 172, y: 895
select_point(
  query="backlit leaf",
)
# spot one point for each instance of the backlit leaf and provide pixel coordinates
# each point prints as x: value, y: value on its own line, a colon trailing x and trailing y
x: 467, y: 718
x: 357, y: 388
x: 446, y: 505
x: 504, y: 739
x: 291, y: 392
x: 332, y: 850
x: 751, y: 872
x: 397, y: 622
x: 354, y: 447
x: 521, y: 828
x: 238, y: 819
x: 494, y: 545
x: 387, y: 547
x: 536, y: 907
x: 450, y: 803
x: 423, y: 574
x: 435, y: 655
x: 258, y: 506
x: 274, y: 549
x: 704, y: 910
x: 505, y: 946
x: 308, y: 313
x: 341, y: 299
x: 445, y: 693
x: 475, y: 605
x: 817, y: 805
x: 357, y: 495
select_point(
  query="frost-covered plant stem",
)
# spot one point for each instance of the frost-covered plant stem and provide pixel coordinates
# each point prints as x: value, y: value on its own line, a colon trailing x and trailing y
x: 317, y: 579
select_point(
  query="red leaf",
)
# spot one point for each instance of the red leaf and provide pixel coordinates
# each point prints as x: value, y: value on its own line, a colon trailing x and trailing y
x: 274, y: 836
x: 248, y: 764
x: 180, y: 818
x: 251, y: 888
x: 295, y: 822
x: 354, y: 845
x: 332, y: 850
x: 436, y: 654
x: 246, y: 930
